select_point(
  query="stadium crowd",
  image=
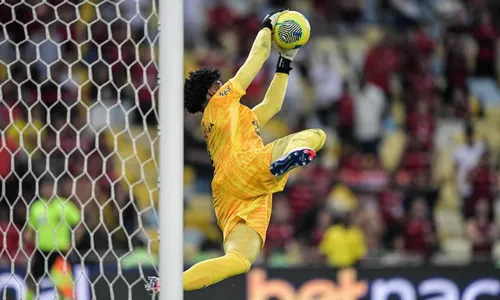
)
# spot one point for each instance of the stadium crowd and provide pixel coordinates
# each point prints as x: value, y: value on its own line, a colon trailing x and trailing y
x: 410, y: 172
x: 405, y: 90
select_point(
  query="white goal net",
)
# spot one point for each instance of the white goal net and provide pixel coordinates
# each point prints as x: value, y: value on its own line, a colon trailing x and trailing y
x: 78, y: 148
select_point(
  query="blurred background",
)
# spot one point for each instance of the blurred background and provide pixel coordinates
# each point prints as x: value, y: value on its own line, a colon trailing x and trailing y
x: 407, y: 91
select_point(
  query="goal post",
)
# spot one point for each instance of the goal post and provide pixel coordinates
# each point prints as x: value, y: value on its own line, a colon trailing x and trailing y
x: 81, y: 151
x: 172, y: 148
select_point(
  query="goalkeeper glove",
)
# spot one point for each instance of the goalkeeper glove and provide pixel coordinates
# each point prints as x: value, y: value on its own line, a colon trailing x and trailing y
x: 286, y: 58
x: 287, y: 53
x: 272, y: 18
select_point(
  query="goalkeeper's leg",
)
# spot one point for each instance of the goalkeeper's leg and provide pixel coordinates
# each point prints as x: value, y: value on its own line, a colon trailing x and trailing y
x: 296, y: 150
x: 242, y: 247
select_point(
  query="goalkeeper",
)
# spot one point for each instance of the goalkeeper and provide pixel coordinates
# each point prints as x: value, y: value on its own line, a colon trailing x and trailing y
x: 247, y: 173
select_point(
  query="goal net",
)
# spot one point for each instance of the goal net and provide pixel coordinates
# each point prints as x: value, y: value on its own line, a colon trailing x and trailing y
x: 78, y: 148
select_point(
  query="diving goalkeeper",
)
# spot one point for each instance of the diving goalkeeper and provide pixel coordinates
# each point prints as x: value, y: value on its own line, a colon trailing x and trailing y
x: 247, y: 172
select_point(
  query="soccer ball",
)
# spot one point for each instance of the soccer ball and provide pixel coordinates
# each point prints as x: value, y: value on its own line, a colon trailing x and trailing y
x: 292, y: 30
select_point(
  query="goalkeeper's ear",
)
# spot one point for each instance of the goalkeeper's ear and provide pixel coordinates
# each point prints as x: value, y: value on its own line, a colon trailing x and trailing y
x: 213, y: 89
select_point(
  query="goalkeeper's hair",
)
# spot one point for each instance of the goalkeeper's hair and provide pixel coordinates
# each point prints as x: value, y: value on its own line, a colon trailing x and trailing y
x: 196, y: 87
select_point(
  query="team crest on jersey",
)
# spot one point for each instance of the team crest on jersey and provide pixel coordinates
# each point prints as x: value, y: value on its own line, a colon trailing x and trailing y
x: 225, y: 92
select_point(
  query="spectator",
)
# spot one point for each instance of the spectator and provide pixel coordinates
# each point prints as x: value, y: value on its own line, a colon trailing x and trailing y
x: 421, y: 125
x: 323, y: 221
x: 420, y: 84
x: 349, y: 11
x: 341, y: 199
x: 221, y: 16
x: 481, y: 231
x: 7, y: 147
x: 415, y: 159
x: 482, y: 179
x: 380, y: 64
x: 327, y: 86
x: 52, y: 219
x: 368, y: 218
x: 459, y: 104
x: 456, y: 70
x: 419, y: 237
x: 486, y: 37
x: 466, y: 158
x: 421, y: 187
x: 280, y: 230
x: 368, y: 111
x: 345, y: 116
x: 12, y: 249
x: 343, y: 244
x: 422, y: 41
x: 301, y: 196
x: 391, y: 206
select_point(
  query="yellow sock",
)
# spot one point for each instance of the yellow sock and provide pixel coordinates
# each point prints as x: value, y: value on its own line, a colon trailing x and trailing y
x: 211, y: 271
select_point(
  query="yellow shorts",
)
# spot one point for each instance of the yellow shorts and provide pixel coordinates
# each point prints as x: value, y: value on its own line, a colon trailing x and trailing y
x: 243, y: 188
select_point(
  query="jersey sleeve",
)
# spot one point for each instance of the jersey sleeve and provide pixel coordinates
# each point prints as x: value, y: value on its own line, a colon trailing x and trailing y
x: 230, y: 93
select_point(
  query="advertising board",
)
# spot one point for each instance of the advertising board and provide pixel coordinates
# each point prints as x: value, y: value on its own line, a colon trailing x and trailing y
x: 420, y: 283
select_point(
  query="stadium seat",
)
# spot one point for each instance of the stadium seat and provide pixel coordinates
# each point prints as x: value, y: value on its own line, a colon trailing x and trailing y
x: 458, y: 249
x: 398, y: 112
x: 449, y: 224
x: 392, y: 149
x: 443, y: 165
x: 454, y: 251
x: 496, y: 251
x: 448, y: 196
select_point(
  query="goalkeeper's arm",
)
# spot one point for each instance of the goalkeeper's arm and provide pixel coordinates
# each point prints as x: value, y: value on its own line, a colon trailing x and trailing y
x: 261, y: 49
x: 271, y: 105
x: 259, y: 53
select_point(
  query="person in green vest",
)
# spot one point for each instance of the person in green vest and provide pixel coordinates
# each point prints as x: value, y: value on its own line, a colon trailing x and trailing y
x: 51, y: 221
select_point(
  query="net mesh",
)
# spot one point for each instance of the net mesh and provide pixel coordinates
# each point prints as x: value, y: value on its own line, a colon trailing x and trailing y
x: 78, y: 163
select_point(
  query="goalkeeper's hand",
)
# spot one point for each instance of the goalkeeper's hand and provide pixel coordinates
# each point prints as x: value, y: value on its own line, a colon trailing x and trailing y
x: 287, y: 53
x: 285, y: 60
x: 272, y: 18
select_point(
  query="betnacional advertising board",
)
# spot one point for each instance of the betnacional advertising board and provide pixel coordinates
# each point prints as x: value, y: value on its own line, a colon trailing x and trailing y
x: 421, y: 283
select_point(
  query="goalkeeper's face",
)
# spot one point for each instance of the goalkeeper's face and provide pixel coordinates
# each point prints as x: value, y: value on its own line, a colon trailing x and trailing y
x: 210, y: 93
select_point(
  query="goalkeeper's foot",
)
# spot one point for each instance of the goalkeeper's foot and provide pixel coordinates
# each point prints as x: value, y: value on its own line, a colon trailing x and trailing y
x: 153, y: 286
x: 296, y: 158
